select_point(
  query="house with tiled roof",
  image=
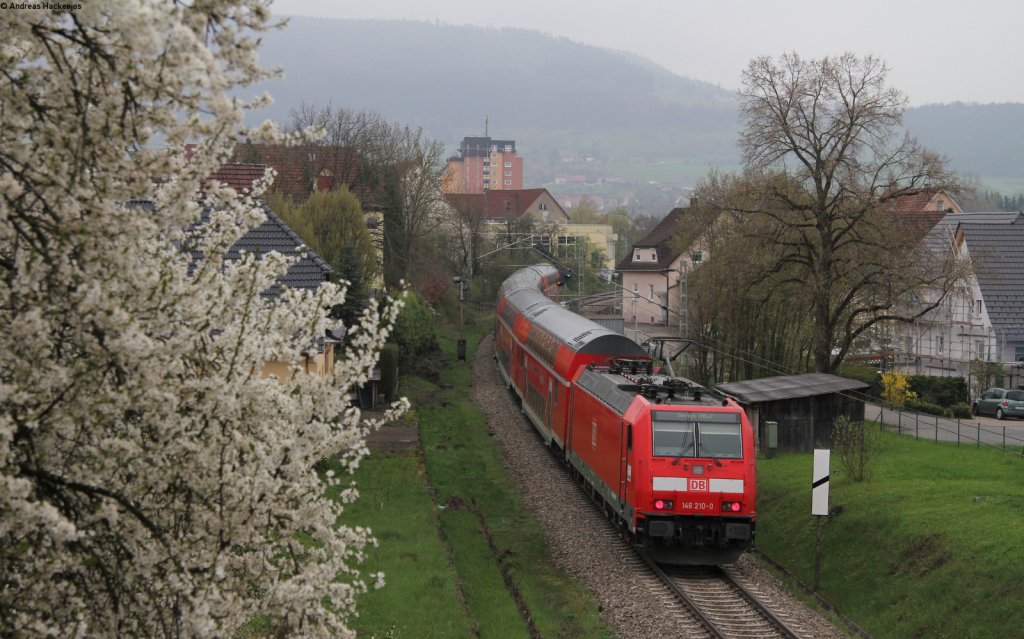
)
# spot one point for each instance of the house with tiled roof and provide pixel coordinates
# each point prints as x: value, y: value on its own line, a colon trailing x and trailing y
x: 238, y: 176
x: 304, y: 169
x: 926, y: 200
x: 500, y: 207
x: 308, y: 271
x: 497, y: 210
x: 982, y: 320
x: 654, y: 271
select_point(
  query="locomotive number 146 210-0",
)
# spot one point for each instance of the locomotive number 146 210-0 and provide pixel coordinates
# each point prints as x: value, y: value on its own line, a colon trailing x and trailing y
x: 697, y: 505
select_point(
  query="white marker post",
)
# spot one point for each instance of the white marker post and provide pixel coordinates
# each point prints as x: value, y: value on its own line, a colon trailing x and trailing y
x: 819, y: 503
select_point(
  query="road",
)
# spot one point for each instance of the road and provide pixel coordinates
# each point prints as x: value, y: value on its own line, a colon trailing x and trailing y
x: 986, y: 430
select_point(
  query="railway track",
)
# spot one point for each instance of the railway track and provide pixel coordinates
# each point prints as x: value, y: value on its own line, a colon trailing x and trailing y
x: 704, y: 601
x: 651, y: 593
x: 724, y: 606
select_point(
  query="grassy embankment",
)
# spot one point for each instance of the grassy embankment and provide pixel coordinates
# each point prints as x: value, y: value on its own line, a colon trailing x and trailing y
x: 462, y: 557
x: 929, y: 546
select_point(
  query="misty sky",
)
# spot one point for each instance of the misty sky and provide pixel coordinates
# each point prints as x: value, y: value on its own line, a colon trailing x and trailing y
x: 938, y: 51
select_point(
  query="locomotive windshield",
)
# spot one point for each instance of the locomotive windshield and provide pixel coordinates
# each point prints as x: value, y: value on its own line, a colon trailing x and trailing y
x: 693, y: 434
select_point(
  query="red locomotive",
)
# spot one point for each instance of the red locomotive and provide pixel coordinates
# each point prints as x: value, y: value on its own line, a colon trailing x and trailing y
x: 670, y: 461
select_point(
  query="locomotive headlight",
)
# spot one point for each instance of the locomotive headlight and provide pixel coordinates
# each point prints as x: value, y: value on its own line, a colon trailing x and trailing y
x: 731, y: 506
x: 663, y: 504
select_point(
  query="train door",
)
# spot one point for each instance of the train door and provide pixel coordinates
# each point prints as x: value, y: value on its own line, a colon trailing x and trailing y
x: 550, y: 405
x: 625, y: 463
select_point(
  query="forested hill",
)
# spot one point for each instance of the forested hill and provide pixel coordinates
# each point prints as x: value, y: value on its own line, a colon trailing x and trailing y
x: 448, y: 78
x: 984, y: 139
x: 624, y: 114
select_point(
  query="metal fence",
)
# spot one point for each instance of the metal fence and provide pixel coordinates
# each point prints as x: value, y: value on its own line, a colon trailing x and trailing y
x: 945, y: 429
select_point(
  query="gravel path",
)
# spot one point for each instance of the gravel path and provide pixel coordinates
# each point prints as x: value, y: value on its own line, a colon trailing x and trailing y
x: 584, y: 545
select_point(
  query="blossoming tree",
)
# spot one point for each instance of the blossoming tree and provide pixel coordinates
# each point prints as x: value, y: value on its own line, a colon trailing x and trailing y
x: 152, y: 482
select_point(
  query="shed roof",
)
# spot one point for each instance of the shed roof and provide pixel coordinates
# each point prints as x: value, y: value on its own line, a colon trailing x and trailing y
x: 769, y: 389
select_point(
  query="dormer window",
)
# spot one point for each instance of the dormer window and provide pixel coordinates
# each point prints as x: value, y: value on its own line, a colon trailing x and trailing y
x: 654, y: 256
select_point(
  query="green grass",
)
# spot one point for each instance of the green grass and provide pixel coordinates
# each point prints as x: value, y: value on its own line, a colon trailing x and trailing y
x: 460, y: 553
x: 420, y: 597
x: 930, y: 546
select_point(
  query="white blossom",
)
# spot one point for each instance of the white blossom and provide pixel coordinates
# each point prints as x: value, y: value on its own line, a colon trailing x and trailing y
x: 152, y: 482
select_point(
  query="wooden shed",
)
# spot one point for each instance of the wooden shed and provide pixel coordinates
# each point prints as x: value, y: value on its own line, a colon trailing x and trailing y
x: 803, y: 406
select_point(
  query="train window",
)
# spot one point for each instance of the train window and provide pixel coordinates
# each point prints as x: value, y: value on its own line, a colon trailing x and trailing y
x: 696, y: 434
x: 721, y: 440
x: 673, y: 438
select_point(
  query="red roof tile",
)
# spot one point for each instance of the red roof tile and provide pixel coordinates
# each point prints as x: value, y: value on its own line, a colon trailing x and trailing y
x: 915, y: 202
x: 496, y: 204
x: 240, y: 177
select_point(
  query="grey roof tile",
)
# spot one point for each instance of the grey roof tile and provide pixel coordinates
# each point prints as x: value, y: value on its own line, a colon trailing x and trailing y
x: 996, y: 248
x: 309, y: 272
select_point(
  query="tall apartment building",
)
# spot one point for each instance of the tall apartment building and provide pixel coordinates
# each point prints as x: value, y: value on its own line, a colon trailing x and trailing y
x: 485, y: 164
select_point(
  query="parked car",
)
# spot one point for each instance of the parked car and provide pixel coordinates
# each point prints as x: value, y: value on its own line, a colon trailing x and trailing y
x: 1001, y: 403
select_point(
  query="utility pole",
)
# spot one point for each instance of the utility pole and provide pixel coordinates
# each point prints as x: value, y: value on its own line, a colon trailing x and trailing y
x: 684, y: 295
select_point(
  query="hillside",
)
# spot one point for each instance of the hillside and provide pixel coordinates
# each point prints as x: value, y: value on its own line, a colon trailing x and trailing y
x: 983, y: 139
x: 550, y: 94
x: 574, y: 109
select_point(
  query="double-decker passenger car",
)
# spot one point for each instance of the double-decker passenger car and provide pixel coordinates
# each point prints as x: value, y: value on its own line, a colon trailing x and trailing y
x: 671, y: 462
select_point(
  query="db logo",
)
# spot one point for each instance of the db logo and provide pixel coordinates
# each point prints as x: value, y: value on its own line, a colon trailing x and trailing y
x: 699, y: 485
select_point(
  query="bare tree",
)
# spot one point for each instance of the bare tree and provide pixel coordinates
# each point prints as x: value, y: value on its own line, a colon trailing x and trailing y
x: 825, y: 156
x: 392, y: 168
x: 409, y: 171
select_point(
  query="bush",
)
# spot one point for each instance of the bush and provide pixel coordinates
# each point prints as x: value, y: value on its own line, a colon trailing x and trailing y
x: 389, y: 371
x: 856, y: 444
x: 961, y: 410
x: 867, y: 374
x: 415, y: 331
x: 896, y: 390
x: 925, y: 407
x: 944, y: 391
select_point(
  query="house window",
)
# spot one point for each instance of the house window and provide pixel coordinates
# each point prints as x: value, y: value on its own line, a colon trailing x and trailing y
x: 508, y: 165
x: 508, y: 182
x: 487, y: 162
x: 487, y: 171
x: 508, y: 147
x: 543, y: 206
x: 508, y: 173
x: 654, y: 256
x: 636, y: 258
x: 650, y: 295
x: 941, y: 345
x: 979, y: 349
x: 1018, y: 353
x: 977, y: 307
x: 566, y: 240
